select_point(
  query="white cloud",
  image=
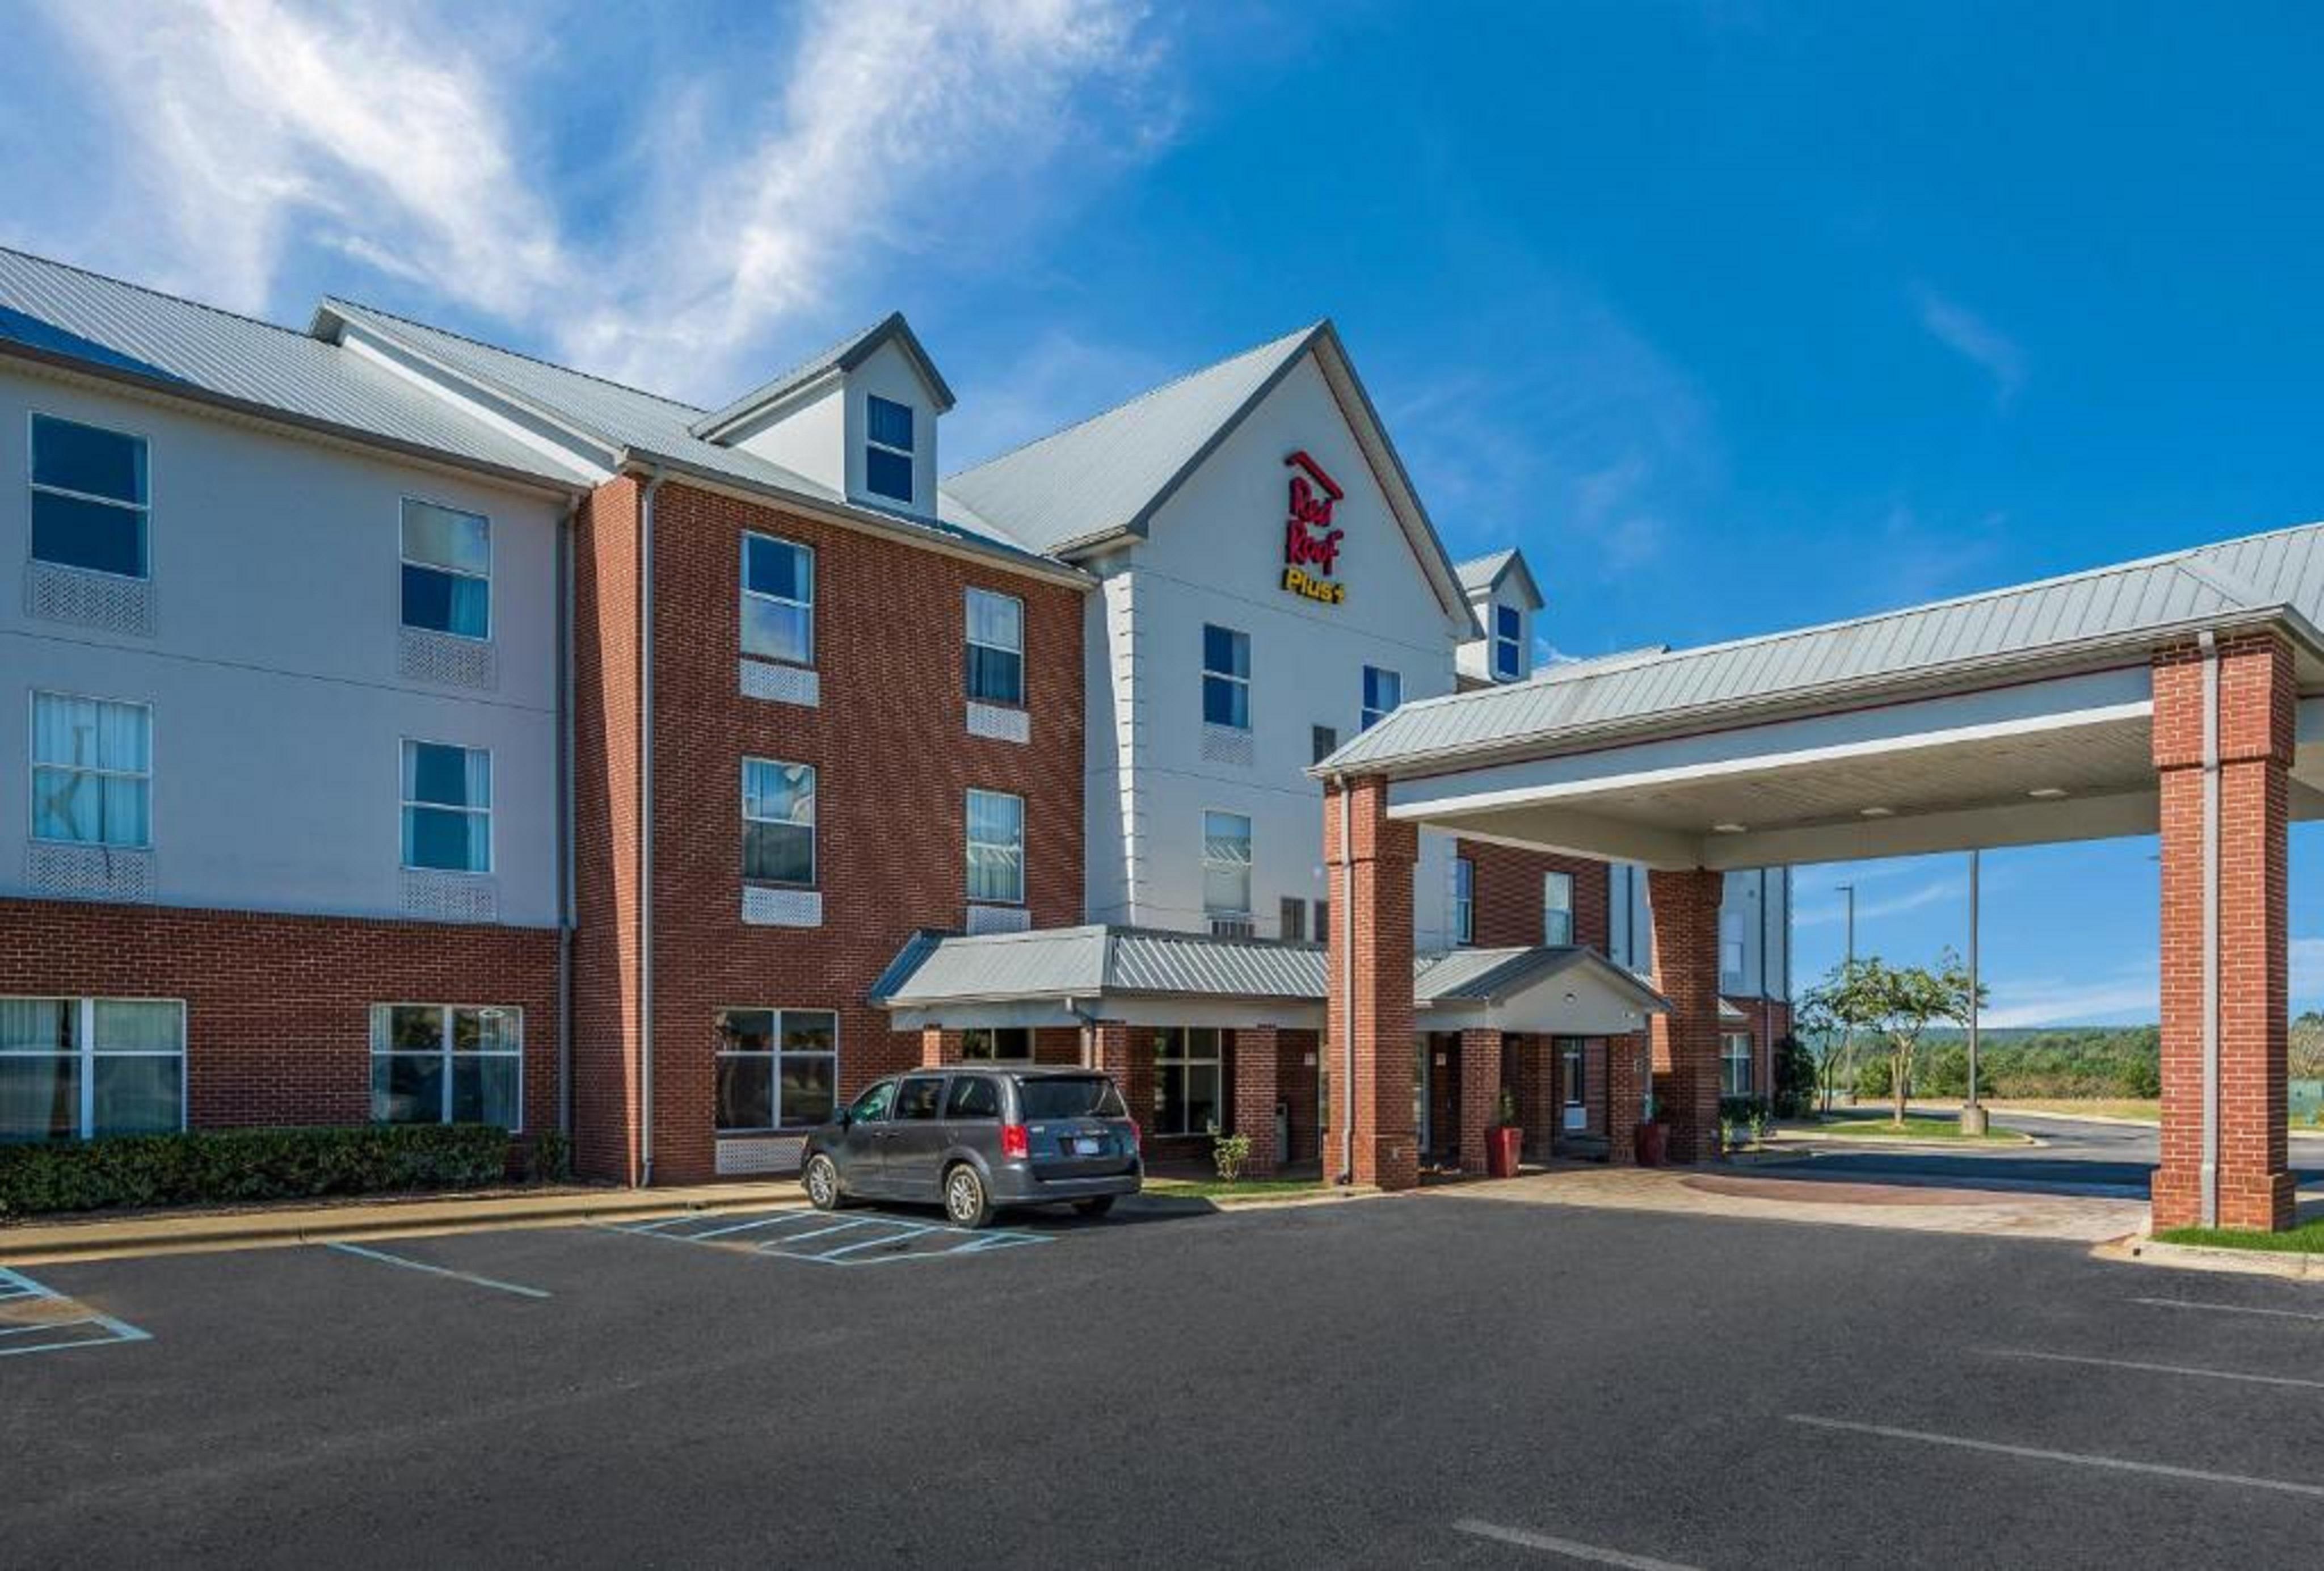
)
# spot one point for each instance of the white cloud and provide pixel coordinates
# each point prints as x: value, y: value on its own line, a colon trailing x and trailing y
x: 2133, y: 994
x: 736, y: 198
x: 1976, y: 340
x: 1913, y: 900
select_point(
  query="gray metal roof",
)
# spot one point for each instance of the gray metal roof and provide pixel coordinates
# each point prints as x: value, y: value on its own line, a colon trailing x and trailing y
x: 844, y: 355
x: 1109, y: 473
x: 1480, y: 575
x: 2055, y: 620
x: 645, y: 425
x: 64, y: 314
x: 1094, y: 961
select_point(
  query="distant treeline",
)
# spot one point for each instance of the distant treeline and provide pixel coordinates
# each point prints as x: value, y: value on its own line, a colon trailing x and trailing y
x: 2058, y: 1060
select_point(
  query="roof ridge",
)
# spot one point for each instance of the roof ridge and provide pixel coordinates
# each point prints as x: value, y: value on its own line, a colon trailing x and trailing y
x: 147, y: 289
x: 339, y: 302
x: 1156, y: 390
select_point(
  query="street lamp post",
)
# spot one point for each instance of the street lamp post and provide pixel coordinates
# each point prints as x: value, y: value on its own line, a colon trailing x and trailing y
x: 1847, y: 1038
x: 1972, y: 1118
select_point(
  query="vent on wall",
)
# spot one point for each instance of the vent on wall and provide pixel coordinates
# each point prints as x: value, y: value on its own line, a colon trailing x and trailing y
x: 764, y: 907
x: 99, y: 600
x: 782, y: 684
x: 450, y: 897
x: 89, y: 872
x: 738, y: 1156
x: 999, y: 918
x: 1227, y: 744
x: 448, y: 661
x: 999, y: 722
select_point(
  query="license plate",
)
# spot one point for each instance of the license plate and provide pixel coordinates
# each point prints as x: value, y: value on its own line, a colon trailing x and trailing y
x: 1085, y: 1147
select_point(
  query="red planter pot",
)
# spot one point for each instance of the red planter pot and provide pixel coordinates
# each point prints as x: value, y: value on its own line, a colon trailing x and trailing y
x: 1652, y: 1145
x: 1503, y: 1147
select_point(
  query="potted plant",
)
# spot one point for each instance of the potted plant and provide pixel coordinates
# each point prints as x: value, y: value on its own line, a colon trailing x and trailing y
x: 1650, y: 1145
x: 1505, y: 1142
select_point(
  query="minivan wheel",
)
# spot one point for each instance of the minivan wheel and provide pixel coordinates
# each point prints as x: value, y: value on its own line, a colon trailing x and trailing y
x: 965, y: 1199
x: 1097, y: 1205
x: 822, y: 1181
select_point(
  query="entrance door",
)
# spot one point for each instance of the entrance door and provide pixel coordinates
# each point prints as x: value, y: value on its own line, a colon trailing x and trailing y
x: 1421, y: 1081
x: 1573, y: 1060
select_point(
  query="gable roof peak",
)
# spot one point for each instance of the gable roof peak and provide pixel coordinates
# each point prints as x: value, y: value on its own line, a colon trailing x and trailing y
x: 842, y: 357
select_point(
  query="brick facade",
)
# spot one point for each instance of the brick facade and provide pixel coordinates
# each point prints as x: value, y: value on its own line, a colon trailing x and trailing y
x: 278, y: 1008
x: 1686, y: 903
x: 1257, y: 1063
x: 1506, y: 887
x: 2254, y: 737
x: 1371, y: 868
x: 894, y: 762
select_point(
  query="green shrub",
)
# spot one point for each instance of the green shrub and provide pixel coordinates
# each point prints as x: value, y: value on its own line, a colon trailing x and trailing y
x: 1795, y: 1079
x: 1230, y: 1153
x: 1742, y: 1109
x: 229, y: 1165
x: 552, y: 1158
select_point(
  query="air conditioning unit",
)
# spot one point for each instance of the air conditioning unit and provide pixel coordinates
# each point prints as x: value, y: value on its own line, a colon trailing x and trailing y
x: 1233, y: 928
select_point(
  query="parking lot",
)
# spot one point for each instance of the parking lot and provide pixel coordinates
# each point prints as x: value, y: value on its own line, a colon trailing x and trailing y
x: 1430, y: 1379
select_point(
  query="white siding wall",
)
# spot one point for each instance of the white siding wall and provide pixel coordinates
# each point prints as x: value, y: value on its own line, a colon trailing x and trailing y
x: 1215, y: 555
x: 1476, y: 658
x: 273, y: 667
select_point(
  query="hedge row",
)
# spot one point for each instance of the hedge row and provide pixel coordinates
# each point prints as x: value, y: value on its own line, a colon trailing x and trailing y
x: 216, y: 1166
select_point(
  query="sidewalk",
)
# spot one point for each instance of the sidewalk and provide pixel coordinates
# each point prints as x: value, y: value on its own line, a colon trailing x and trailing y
x: 1715, y: 1191
x: 187, y: 1231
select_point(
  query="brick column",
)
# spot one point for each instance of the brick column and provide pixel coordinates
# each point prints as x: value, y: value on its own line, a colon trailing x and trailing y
x: 1372, y: 924
x: 1480, y: 1093
x: 2255, y: 741
x: 938, y: 1047
x: 1624, y: 1088
x: 1128, y: 1056
x: 1538, y: 1066
x: 1254, y: 1096
x: 1685, y: 906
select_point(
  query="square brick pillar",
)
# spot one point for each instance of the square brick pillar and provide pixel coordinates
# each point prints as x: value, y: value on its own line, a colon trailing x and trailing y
x: 1538, y: 1067
x: 1685, y: 906
x: 1624, y: 1087
x: 1254, y: 1096
x: 1480, y: 1093
x: 2245, y: 1000
x: 1371, y: 868
x: 939, y: 1047
x: 1128, y: 1056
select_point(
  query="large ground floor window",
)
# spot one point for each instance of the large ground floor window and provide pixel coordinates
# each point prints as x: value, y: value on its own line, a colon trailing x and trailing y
x: 776, y: 1068
x: 1185, y: 1080
x: 72, y: 1068
x: 1005, y: 1044
x: 1735, y: 1064
x: 447, y: 1063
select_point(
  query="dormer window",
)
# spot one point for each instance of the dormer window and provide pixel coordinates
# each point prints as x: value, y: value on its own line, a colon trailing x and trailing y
x: 887, y: 450
x: 1509, y: 643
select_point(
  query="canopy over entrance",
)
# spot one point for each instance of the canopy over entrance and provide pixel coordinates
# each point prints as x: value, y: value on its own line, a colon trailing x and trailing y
x: 2182, y: 694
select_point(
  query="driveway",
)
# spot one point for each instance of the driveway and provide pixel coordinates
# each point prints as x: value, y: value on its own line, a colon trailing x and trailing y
x: 2075, y: 1158
x: 1427, y: 1379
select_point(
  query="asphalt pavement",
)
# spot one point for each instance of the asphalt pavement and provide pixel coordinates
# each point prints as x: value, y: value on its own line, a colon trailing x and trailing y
x: 2074, y: 1156
x: 1415, y: 1380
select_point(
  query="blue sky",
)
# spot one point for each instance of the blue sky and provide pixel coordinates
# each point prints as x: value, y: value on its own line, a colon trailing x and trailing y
x: 1734, y: 316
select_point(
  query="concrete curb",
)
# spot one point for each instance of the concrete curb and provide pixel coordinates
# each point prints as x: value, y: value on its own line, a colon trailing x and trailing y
x: 1906, y: 1143
x: 53, y: 1243
x: 2138, y: 1249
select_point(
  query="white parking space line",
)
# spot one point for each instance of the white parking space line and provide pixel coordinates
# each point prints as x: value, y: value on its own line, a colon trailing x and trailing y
x: 2228, y: 1308
x: 17, y: 1290
x: 779, y: 1218
x: 384, y: 1258
x: 903, y: 1232
x: 790, y: 1238
x: 2073, y: 1458
x: 1524, y: 1538
x: 2133, y: 1365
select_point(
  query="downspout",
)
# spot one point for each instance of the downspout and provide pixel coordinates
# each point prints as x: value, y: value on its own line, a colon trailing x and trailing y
x: 2210, y: 1172
x: 645, y: 830
x: 1347, y: 929
x: 565, y: 820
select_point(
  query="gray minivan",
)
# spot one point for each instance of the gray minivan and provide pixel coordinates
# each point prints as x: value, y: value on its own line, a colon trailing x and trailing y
x: 979, y: 1138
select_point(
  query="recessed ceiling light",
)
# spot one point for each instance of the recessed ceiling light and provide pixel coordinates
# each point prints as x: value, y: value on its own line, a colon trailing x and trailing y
x: 1728, y: 829
x: 1875, y: 812
x: 2046, y: 793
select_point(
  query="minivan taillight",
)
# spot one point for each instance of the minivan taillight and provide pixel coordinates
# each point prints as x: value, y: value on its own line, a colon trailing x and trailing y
x: 1013, y: 1144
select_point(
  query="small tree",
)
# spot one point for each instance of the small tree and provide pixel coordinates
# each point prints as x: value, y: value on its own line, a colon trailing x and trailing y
x: 1897, y: 1004
x: 1817, y: 1020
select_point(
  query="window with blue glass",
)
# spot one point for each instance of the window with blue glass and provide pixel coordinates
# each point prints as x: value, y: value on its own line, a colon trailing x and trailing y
x: 778, y: 821
x: 996, y: 648
x: 1226, y: 677
x: 447, y: 806
x: 448, y: 570
x: 89, y: 501
x: 778, y: 599
x: 1508, y: 643
x: 1383, y: 691
x: 888, y: 455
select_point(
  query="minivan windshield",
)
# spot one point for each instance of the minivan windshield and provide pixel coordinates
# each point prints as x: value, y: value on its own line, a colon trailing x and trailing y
x: 1070, y: 1096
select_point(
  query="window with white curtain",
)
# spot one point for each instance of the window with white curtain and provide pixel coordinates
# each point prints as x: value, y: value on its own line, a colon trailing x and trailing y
x: 448, y: 570
x: 92, y: 770
x: 1557, y: 908
x: 1226, y: 864
x: 996, y: 648
x: 778, y: 599
x: 996, y: 847
x: 778, y: 821
x: 75, y: 1067
x: 90, y: 506
x: 441, y: 1063
x: 447, y: 806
